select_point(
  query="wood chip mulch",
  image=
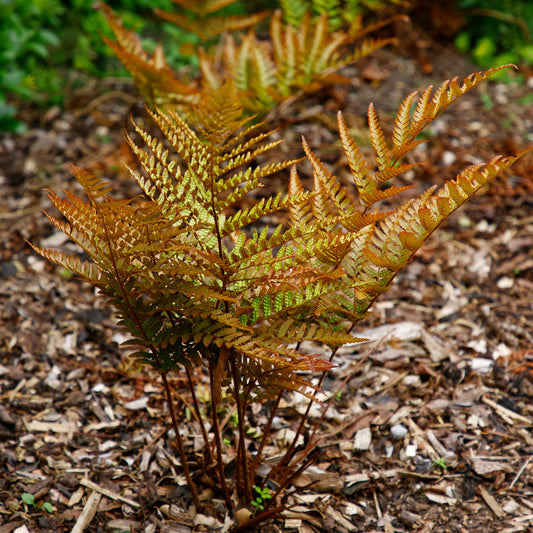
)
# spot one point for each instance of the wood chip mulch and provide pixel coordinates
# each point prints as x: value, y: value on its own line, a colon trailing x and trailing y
x: 431, y: 427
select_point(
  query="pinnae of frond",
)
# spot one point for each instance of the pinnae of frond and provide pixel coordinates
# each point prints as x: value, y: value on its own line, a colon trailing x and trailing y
x: 94, y: 186
x: 355, y: 159
x: 377, y: 139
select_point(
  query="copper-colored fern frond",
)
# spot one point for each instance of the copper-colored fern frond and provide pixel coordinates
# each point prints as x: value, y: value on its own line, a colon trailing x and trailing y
x: 358, y: 220
x: 356, y: 162
x: 377, y: 138
x: 156, y: 82
x: 369, y: 186
x: 429, y: 106
x: 95, y: 187
x: 193, y: 275
x: 87, y: 271
x: 327, y: 189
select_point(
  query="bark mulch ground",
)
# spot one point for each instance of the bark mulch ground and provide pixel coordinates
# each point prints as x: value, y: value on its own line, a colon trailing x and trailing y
x: 432, y: 431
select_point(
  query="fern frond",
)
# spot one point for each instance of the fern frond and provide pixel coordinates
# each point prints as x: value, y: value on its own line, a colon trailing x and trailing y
x: 94, y: 186
x: 298, y: 58
x: 358, y: 220
x: 192, y: 276
x: 429, y: 106
x: 205, y: 23
x: 356, y: 162
x: 202, y: 7
x: 327, y: 189
x: 220, y: 116
x: 87, y: 271
x: 208, y: 27
x: 300, y: 212
x: 291, y: 330
x: 294, y: 10
x: 383, y: 155
x: 263, y: 207
x: 154, y: 79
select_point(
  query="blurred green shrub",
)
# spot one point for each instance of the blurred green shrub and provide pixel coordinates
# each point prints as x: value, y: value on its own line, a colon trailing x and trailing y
x: 44, y: 42
x: 497, y: 32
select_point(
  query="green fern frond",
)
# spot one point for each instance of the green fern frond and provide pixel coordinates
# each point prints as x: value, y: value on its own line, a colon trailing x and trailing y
x: 290, y: 330
x: 264, y: 207
x: 294, y: 10
x: 298, y: 58
x: 331, y: 8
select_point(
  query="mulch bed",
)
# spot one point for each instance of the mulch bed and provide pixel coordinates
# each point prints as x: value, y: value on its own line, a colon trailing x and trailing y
x: 432, y: 430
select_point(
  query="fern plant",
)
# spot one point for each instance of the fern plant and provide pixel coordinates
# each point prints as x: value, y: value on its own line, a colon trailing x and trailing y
x: 266, y: 72
x: 201, y: 285
x: 204, y: 18
x: 155, y: 80
x: 302, y: 58
x: 340, y: 12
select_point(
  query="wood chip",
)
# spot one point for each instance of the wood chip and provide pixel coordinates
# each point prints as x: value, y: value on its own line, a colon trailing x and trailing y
x: 88, y: 513
x: 10, y: 526
x: 441, y: 499
x: 123, y: 525
x: 508, y: 415
x: 339, y: 519
x: 106, y: 492
x: 494, y: 506
x: 51, y: 427
x: 293, y: 523
x: 363, y: 439
x: 76, y: 497
x: 484, y: 466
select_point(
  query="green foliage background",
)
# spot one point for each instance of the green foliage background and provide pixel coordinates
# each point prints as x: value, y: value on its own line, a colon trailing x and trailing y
x: 43, y: 43
x: 46, y: 44
x: 497, y: 31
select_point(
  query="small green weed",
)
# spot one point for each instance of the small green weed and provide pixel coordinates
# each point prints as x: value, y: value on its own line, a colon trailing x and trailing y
x: 29, y: 500
x: 441, y: 463
x: 262, y: 495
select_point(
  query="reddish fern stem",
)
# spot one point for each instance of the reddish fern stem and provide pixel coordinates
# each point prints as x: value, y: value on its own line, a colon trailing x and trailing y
x: 209, y: 455
x: 179, y: 441
x: 266, y: 433
x: 242, y: 459
x: 288, y: 454
x: 218, y: 440
x: 308, y: 461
